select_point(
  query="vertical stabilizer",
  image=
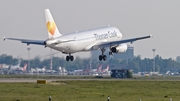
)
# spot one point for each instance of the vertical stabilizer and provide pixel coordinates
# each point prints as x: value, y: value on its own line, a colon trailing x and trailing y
x: 24, y: 68
x: 53, y: 31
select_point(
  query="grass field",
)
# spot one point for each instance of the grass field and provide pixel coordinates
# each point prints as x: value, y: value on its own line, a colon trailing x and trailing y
x: 92, y: 90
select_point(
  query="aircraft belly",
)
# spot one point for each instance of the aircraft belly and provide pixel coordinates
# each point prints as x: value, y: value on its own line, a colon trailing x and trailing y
x: 68, y: 47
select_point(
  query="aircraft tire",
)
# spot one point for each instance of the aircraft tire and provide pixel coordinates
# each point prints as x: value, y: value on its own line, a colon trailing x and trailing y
x: 100, y: 57
x: 71, y: 58
x: 104, y: 57
x: 67, y: 58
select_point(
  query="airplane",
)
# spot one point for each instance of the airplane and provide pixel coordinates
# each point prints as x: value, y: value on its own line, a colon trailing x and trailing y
x: 78, y: 72
x: 98, y: 69
x: 17, y: 68
x: 87, y: 71
x: 105, y: 70
x: 93, y: 39
x: 24, y: 68
x: 101, y: 71
x: 62, y: 70
x: 40, y: 70
x: 92, y: 71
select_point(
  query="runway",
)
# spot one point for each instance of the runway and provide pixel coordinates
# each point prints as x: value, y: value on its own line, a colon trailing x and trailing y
x: 50, y: 80
x: 23, y: 80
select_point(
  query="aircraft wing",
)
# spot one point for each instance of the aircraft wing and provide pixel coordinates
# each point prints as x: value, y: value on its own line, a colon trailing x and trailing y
x: 115, y: 43
x: 27, y: 41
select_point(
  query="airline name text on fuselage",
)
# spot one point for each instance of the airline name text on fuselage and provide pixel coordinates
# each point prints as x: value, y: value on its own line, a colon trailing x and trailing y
x: 106, y: 35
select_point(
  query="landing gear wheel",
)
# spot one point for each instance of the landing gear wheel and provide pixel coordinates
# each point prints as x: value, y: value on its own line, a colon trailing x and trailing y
x: 67, y: 58
x: 104, y: 57
x: 71, y: 58
x: 100, y: 57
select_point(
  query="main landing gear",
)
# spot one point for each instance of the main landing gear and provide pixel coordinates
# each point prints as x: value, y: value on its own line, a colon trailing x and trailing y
x: 102, y: 57
x: 69, y: 57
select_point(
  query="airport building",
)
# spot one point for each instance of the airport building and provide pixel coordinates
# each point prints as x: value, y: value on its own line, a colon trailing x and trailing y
x: 129, y: 54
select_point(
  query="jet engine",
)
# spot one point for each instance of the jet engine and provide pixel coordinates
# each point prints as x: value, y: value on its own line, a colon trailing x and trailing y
x: 119, y: 49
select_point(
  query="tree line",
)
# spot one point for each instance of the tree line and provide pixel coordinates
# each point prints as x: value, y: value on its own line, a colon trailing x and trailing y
x: 136, y: 64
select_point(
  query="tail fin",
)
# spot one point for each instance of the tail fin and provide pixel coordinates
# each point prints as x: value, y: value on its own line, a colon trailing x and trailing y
x: 19, y: 62
x: 107, y: 68
x: 99, y: 68
x: 53, y: 31
x: 24, y: 68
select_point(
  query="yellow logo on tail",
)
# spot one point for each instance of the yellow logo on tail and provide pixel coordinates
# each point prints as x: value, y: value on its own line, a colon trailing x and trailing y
x: 51, y: 27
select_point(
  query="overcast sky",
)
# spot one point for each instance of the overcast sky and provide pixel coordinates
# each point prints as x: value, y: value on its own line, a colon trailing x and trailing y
x: 134, y: 18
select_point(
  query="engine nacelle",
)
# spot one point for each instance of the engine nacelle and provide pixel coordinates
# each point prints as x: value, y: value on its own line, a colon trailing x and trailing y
x: 119, y: 49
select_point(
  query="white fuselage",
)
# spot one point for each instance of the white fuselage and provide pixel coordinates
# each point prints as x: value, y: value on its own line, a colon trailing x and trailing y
x: 85, y: 40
